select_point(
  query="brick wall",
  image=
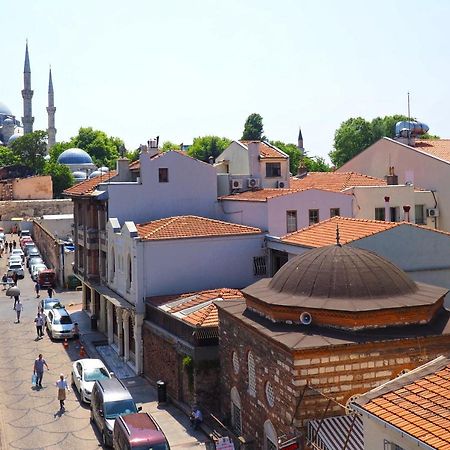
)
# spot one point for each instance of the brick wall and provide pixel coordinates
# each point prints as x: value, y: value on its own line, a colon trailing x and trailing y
x: 33, y: 208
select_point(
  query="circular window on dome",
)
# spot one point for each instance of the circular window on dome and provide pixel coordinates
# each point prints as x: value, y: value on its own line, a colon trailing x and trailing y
x: 235, y: 362
x: 270, y: 397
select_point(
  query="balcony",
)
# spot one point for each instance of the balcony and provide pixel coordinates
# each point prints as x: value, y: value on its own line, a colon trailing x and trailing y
x: 103, y: 238
x: 80, y: 234
x: 92, y: 240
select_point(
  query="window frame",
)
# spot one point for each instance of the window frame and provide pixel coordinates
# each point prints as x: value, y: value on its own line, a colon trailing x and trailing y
x: 311, y: 213
x: 163, y: 174
x: 422, y: 215
x: 335, y: 214
x: 272, y: 169
x: 383, y: 215
x: 291, y: 221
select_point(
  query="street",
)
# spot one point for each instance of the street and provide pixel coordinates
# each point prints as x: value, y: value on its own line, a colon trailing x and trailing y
x: 30, y: 418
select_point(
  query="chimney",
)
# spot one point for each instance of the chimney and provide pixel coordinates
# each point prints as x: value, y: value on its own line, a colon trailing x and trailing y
x: 123, y: 169
x: 406, y: 209
x: 253, y: 159
x: 211, y: 159
x: 152, y: 145
x: 386, y: 209
x: 302, y: 171
x: 391, y: 179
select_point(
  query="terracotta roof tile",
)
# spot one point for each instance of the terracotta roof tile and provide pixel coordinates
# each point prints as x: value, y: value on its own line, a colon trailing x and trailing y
x: 324, y: 233
x: 417, y: 407
x: 184, y: 227
x: 266, y: 150
x: 88, y: 186
x: 260, y: 195
x: 335, y: 181
x: 205, y: 316
x: 440, y: 148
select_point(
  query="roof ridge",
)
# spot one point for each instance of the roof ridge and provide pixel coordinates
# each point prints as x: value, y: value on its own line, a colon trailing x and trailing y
x: 166, y: 221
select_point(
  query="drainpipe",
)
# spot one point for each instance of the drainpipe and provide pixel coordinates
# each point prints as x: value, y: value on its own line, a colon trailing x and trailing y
x: 386, y: 209
x: 406, y: 209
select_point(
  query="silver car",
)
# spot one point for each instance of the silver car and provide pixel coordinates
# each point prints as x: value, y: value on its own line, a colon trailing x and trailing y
x: 59, y: 324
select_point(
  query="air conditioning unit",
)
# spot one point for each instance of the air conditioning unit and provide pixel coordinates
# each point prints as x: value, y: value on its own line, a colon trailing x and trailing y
x: 252, y: 182
x: 281, y: 184
x: 236, y: 183
x: 432, y: 212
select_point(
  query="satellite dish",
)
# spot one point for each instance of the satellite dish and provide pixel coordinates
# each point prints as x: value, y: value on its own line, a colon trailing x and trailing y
x: 305, y: 318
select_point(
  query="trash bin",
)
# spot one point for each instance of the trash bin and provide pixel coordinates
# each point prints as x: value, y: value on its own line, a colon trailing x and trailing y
x: 94, y: 322
x: 162, y: 391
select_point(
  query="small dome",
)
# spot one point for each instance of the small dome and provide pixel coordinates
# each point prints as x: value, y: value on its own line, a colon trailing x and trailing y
x: 74, y: 156
x: 4, y: 110
x: 13, y: 138
x: 95, y: 173
x: 8, y: 121
x: 103, y: 169
x: 79, y: 175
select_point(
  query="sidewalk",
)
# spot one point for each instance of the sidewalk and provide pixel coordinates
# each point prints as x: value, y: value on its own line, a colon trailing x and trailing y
x: 174, y: 422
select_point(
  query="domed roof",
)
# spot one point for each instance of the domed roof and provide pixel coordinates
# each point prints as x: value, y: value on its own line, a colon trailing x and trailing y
x: 104, y: 169
x: 8, y: 121
x: 5, y: 110
x: 79, y: 175
x: 95, y: 173
x: 13, y: 138
x: 74, y: 156
x: 341, y: 272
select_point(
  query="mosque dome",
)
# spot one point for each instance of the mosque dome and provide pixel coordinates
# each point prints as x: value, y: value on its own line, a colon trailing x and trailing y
x: 74, y: 156
x: 104, y: 169
x: 4, y: 110
x: 343, y: 287
x: 8, y: 121
x: 95, y: 173
x: 13, y: 138
x: 79, y: 175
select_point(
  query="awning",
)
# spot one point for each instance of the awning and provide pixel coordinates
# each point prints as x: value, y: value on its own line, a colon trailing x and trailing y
x: 337, y: 433
x: 112, y: 297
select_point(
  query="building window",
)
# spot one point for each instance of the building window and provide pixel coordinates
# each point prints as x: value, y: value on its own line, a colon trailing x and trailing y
x: 130, y: 273
x: 235, y: 363
x: 112, y: 266
x: 394, y: 213
x: 419, y: 214
x: 335, y: 212
x: 270, y: 397
x: 270, y: 436
x: 259, y: 266
x: 273, y: 170
x: 291, y: 221
x: 163, y: 173
x: 236, y: 417
x: 380, y: 214
x: 251, y: 374
x: 313, y: 216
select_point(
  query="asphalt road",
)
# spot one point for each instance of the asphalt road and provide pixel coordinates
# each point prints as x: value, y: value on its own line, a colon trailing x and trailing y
x: 30, y: 418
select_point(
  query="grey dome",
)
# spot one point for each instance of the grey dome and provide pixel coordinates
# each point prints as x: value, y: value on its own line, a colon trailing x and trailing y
x: 95, y: 173
x: 13, y: 138
x: 74, y: 156
x: 79, y: 175
x: 341, y: 272
x: 5, y: 110
x: 8, y: 121
x: 103, y: 169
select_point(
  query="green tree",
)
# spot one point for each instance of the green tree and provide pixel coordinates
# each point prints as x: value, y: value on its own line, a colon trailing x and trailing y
x: 133, y: 155
x: 31, y: 149
x: 8, y: 157
x: 167, y: 145
x: 62, y: 177
x: 57, y: 149
x: 316, y: 164
x: 204, y: 147
x: 253, y: 128
x: 293, y: 152
x: 104, y: 150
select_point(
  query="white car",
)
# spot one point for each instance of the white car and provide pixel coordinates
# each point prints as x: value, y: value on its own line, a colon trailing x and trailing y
x: 47, y: 304
x: 16, y: 267
x: 59, y: 324
x: 36, y: 269
x: 18, y: 251
x: 15, y: 259
x: 85, y: 372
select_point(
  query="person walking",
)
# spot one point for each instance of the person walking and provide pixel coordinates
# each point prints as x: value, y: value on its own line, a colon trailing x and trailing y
x: 16, y: 300
x: 50, y: 292
x: 10, y: 247
x: 62, y: 386
x: 15, y: 277
x: 6, y: 246
x: 39, y: 321
x: 19, y: 308
x: 38, y: 369
x: 4, y: 280
x: 37, y: 289
x: 14, y: 244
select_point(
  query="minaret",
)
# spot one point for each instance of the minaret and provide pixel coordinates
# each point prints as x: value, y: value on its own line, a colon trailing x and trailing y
x: 51, y: 130
x: 27, y: 95
x: 300, y: 141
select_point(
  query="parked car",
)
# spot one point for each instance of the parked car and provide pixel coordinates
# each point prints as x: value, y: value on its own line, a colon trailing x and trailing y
x: 36, y: 270
x: 85, y: 372
x: 47, y: 304
x: 47, y: 278
x: 23, y: 233
x: 15, y: 258
x: 34, y: 260
x: 27, y: 247
x: 24, y: 240
x: 18, y: 251
x: 59, y: 323
x: 17, y: 268
x: 138, y: 431
x: 32, y: 252
x: 110, y: 399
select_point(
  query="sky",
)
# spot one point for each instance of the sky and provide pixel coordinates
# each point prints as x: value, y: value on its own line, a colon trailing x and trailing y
x: 180, y: 69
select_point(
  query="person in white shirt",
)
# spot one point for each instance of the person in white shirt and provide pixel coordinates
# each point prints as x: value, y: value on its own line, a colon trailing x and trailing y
x: 62, y: 386
x: 19, y: 308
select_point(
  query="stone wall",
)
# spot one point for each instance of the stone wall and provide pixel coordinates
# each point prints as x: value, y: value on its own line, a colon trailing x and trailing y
x: 48, y: 246
x: 33, y: 208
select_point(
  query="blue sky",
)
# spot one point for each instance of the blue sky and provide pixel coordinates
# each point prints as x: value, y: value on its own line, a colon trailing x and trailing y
x: 181, y: 69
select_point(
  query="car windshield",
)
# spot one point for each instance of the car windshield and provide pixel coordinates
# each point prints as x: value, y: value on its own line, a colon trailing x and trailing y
x: 63, y: 320
x: 15, y: 266
x: 119, y: 408
x: 99, y: 373
x: 161, y: 446
x: 50, y: 304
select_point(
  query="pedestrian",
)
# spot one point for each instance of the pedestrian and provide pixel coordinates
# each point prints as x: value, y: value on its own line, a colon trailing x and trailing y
x: 2, y: 248
x: 37, y: 288
x: 19, y: 308
x: 196, y: 417
x: 6, y: 245
x: 15, y: 277
x: 16, y: 300
x: 4, y: 280
x: 38, y: 369
x: 62, y: 386
x: 76, y: 331
x: 50, y: 292
x: 14, y: 244
x: 39, y: 321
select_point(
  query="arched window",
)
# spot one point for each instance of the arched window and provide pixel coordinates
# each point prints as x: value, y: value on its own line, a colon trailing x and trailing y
x: 270, y: 436
x: 235, y: 359
x: 270, y: 396
x: 112, y: 267
x: 251, y: 374
x: 236, y: 416
x: 129, y: 273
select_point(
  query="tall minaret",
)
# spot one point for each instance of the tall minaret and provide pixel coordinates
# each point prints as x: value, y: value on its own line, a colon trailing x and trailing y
x: 27, y: 95
x: 51, y: 130
x: 300, y: 142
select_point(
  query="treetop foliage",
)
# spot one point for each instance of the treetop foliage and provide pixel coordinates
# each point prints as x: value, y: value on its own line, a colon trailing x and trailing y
x: 253, y: 128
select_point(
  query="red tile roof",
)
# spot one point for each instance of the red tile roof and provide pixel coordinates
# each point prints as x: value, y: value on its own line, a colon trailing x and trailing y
x: 440, y: 148
x: 324, y: 233
x: 87, y: 187
x: 335, y: 181
x: 417, y: 403
x: 266, y: 150
x: 184, y: 227
x: 205, y: 316
x: 260, y: 195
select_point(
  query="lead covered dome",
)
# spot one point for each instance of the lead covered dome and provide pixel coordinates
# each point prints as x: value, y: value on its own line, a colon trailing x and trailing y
x: 343, y: 287
x: 4, y: 110
x: 74, y: 156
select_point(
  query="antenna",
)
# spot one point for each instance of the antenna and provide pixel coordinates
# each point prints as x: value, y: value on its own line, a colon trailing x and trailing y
x: 409, y: 122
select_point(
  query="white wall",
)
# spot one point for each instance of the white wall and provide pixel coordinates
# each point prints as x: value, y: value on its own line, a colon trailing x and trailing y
x: 192, y: 189
x: 409, y: 164
x: 237, y: 156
